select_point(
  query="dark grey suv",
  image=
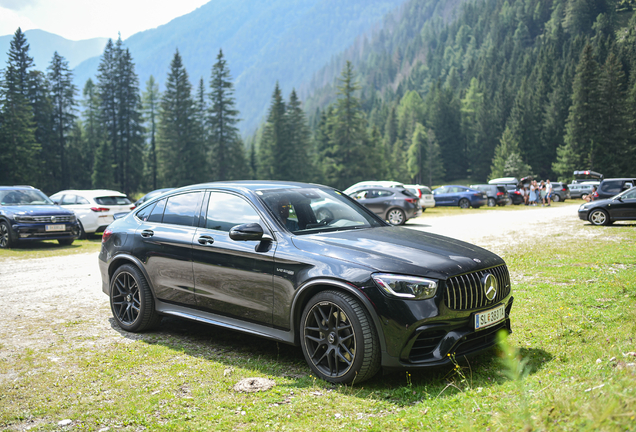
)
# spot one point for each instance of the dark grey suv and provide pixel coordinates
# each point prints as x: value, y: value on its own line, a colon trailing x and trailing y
x: 497, y: 194
x: 395, y: 205
x: 305, y: 265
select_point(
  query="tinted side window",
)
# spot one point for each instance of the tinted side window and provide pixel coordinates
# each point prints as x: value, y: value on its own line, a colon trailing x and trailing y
x: 382, y: 193
x: 613, y: 185
x: 182, y: 209
x: 226, y: 210
x: 157, y: 213
x: 145, y: 212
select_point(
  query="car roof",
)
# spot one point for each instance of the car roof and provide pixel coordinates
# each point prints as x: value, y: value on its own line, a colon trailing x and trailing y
x: 17, y: 187
x: 91, y: 192
x: 253, y: 185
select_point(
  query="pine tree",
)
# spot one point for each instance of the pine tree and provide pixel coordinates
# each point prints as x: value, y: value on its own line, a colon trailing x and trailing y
x: 274, y: 151
x: 226, y: 148
x: 302, y: 152
x: 46, y: 163
x: 180, y: 148
x: 63, y: 99
x: 93, y: 133
x: 150, y: 102
x: 582, y: 123
x: 347, y: 153
x: 18, y: 147
x: 120, y: 113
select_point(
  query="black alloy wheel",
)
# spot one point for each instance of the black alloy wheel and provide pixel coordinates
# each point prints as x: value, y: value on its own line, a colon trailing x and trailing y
x: 131, y: 301
x: 6, y: 235
x: 396, y: 216
x: 464, y: 203
x: 599, y: 217
x: 339, y: 340
x: 491, y: 202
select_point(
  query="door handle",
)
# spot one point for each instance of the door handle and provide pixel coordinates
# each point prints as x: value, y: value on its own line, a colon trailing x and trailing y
x: 206, y: 240
x: 147, y: 233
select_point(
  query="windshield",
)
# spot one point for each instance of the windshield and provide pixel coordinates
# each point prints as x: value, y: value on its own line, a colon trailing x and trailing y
x: 23, y: 197
x: 312, y: 210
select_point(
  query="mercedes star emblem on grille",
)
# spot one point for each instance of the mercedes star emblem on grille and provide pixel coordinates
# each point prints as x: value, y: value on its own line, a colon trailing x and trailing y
x: 490, y: 286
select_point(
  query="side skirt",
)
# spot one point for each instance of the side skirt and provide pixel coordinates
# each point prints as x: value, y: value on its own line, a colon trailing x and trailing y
x: 225, y: 322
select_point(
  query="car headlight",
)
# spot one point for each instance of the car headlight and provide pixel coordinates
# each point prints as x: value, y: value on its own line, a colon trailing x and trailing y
x: 584, y: 206
x: 406, y: 286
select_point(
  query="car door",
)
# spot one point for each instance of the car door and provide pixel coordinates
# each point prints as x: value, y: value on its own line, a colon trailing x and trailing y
x: 441, y: 196
x: 625, y: 208
x: 233, y: 278
x: 370, y: 198
x: 163, y: 242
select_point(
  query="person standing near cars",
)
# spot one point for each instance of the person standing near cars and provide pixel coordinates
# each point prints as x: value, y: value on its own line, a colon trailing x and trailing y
x: 533, y: 193
x: 548, y: 191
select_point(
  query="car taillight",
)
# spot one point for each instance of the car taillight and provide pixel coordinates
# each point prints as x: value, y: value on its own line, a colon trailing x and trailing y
x: 499, y: 193
x: 133, y: 207
x: 517, y: 193
x: 107, y: 233
x: 99, y: 209
x: 564, y: 189
x: 411, y: 200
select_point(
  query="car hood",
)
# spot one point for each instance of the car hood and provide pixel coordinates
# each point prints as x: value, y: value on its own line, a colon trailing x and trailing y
x: 36, y: 210
x: 598, y: 203
x: 400, y: 250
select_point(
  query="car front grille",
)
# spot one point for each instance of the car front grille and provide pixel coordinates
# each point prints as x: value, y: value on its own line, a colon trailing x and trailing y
x: 46, y: 219
x: 466, y: 292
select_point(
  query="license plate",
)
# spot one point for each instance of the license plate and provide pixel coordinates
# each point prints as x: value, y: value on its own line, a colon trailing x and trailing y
x: 55, y: 228
x: 490, y: 317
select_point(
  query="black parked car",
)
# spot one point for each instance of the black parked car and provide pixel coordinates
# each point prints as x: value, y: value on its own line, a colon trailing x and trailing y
x: 607, y: 211
x: 497, y: 194
x: 395, y: 205
x: 26, y: 214
x: 354, y: 292
x: 613, y: 186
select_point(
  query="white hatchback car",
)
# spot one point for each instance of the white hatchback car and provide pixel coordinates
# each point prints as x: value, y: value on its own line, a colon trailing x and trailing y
x: 424, y: 193
x: 94, y: 209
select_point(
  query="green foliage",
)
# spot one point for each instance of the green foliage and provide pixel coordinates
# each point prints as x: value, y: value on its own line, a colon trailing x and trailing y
x: 227, y: 155
x: 181, y: 153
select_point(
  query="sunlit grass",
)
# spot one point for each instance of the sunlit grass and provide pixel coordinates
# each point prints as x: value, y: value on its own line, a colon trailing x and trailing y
x: 50, y: 248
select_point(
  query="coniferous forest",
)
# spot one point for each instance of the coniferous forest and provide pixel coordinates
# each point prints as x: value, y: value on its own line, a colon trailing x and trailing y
x: 497, y: 88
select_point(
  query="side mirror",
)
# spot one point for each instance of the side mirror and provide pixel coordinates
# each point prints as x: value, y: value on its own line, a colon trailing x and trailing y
x: 245, y: 232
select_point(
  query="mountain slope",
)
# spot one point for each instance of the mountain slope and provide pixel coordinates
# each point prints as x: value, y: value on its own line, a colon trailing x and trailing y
x: 44, y: 44
x: 264, y: 42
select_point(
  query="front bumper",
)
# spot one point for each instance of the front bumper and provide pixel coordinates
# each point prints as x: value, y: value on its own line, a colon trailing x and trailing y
x: 584, y: 214
x: 37, y: 231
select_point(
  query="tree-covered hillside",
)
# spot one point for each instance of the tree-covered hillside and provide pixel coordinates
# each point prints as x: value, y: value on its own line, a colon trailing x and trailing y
x: 264, y: 42
x: 510, y: 87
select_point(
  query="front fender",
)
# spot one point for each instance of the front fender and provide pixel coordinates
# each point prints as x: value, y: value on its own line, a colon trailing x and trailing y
x: 310, y: 288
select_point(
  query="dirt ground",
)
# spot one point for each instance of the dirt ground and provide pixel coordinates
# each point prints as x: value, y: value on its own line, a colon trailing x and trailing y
x: 44, y: 298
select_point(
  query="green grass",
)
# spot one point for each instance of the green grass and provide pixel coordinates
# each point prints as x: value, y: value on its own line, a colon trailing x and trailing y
x: 49, y: 248
x: 566, y: 367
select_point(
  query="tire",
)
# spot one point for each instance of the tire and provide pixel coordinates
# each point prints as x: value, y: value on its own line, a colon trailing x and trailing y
x: 6, y: 236
x: 65, y: 242
x: 464, y: 203
x: 396, y: 216
x: 131, y: 301
x: 82, y: 234
x: 339, y: 340
x: 599, y: 217
x: 556, y: 198
x: 491, y: 202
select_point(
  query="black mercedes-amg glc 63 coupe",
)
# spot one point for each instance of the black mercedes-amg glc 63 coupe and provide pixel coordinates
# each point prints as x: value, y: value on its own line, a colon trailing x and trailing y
x: 306, y: 265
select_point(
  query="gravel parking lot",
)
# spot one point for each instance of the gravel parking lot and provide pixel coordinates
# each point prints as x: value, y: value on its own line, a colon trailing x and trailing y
x: 35, y: 294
